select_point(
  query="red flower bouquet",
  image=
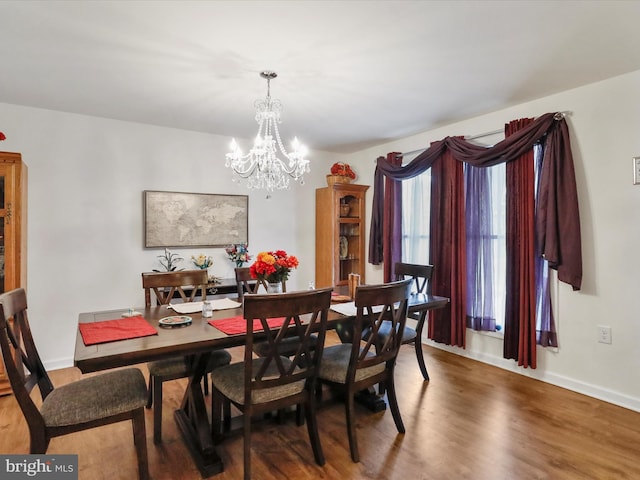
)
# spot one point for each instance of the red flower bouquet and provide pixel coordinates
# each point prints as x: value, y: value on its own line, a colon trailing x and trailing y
x: 343, y: 169
x: 273, y: 267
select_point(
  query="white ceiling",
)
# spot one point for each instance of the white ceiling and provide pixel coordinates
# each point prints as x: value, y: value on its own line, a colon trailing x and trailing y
x: 352, y: 74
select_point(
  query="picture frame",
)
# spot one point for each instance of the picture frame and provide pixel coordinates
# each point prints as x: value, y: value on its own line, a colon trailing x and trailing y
x: 181, y: 219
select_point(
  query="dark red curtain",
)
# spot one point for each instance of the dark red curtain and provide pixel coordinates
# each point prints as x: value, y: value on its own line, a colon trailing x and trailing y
x: 520, y: 309
x: 557, y: 224
x: 392, y: 220
x: 447, y: 246
x: 558, y: 220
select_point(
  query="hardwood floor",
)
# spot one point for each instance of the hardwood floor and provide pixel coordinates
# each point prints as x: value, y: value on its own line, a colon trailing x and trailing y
x: 472, y: 421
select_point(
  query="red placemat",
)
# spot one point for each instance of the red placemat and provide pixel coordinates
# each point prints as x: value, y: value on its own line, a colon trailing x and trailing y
x: 112, y: 330
x: 237, y: 325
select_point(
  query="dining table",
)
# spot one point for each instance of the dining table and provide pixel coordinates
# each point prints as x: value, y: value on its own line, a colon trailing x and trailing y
x: 194, y: 340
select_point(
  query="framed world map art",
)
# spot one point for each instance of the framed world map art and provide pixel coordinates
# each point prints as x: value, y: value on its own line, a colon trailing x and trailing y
x: 177, y: 219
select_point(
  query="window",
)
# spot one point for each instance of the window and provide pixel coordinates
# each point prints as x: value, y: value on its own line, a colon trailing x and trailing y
x: 486, y: 191
x: 485, y: 211
x: 416, y: 212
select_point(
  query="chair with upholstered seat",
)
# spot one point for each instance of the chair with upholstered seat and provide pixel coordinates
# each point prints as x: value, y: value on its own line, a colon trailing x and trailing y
x: 361, y: 364
x: 165, y: 285
x: 273, y: 382
x: 116, y: 396
x: 421, y: 279
x: 250, y: 286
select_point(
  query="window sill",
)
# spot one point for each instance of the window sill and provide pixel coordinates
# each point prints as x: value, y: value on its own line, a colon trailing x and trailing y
x: 499, y: 335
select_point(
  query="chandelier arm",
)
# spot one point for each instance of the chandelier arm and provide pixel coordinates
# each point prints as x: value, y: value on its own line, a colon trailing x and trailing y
x: 245, y: 173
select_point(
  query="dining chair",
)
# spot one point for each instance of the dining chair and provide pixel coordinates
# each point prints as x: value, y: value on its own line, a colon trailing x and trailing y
x: 247, y: 285
x: 421, y: 283
x: 250, y: 286
x: 112, y: 397
x: 421, y: 276
x: 361, y: 364
x: 273, y: 382
x: 164, y: 285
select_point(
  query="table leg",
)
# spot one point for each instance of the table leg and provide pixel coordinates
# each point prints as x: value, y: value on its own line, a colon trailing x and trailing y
x: 193, y: 422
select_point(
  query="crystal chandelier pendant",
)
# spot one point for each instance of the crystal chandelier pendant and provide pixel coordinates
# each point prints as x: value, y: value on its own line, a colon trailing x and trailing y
x: 268, y: 165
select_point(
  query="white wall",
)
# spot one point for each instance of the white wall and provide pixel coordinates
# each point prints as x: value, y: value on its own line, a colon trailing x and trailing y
x: 85, y: 232
x: 605, y: 135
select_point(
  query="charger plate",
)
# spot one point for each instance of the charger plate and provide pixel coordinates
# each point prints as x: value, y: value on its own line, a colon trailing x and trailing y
x: 175, y: 321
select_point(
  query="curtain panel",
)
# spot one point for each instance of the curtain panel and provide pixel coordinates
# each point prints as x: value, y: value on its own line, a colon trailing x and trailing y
x: 520, y: 309
x: 447, y: 239
x: 392, y: 221
x: 558, y: 220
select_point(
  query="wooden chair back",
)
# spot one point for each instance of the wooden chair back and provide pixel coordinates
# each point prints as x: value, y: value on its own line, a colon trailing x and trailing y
x: 421, y: 275
x: 306, y: 313
x: 377, y: 306
x: 249, y: 285
x: 166, y: 284
x: 21, y: 359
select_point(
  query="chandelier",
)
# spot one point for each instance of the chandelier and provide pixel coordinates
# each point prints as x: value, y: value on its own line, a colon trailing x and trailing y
x: 264, y: 167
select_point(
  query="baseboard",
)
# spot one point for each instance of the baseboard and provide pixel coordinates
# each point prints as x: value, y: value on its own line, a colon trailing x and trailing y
x: 58, y: 364
x: 574, y: 385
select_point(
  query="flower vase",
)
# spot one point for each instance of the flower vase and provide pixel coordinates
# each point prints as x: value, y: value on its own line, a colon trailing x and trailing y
x: 274, y: 287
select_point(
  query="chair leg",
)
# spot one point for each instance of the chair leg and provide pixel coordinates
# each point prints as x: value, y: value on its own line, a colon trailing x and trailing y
x: 420, y: 357
x: 393, y: 403
x: 351, y: 426
x: 38, y: 443
x: 381, y: 388
x: 226, y: 411
x: 205, y: 383
x: 418, y: 345
x: 157, y: 411
x: 312, y: 428
x: 300, y: 413
x: 247, y: 444
x: 140, y: 441
x: 150, y: 392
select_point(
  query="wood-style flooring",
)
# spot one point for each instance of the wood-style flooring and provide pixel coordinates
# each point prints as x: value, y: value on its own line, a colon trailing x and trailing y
x: 471, y: 421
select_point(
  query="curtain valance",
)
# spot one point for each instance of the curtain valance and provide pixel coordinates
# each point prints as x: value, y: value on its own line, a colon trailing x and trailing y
x: 557, y: 219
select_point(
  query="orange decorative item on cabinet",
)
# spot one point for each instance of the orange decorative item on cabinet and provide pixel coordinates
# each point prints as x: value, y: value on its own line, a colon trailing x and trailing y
x: 13, y: 229
x: 333, y: 179
x: 340, y: 239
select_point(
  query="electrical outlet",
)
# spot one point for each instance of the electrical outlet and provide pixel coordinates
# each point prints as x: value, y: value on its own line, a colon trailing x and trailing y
x: 604, y: 334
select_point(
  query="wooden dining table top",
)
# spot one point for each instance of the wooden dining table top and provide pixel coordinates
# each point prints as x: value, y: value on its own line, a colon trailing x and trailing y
x: 196, y: 338
x: 199, y: 337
